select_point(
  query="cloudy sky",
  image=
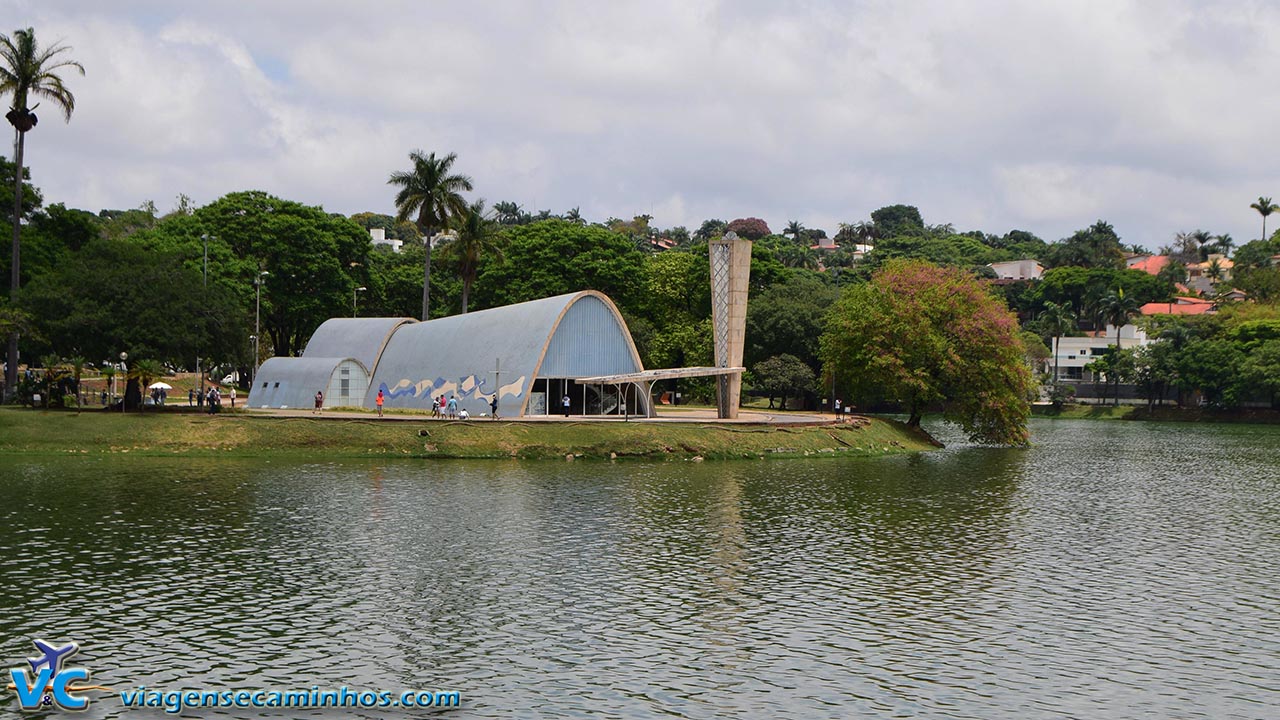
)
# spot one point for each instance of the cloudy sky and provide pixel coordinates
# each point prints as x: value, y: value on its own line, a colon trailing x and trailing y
x: 1044, y: 116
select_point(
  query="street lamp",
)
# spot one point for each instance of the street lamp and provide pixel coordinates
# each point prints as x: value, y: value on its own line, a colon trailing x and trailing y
x: 353, y: 298
x: 124, y: 368
x: 257, y: 324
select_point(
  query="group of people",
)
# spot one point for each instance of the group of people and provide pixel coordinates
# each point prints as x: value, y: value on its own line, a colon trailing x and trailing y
x: 440, y: 407
x: 210, y: 399
x: 449, y: 410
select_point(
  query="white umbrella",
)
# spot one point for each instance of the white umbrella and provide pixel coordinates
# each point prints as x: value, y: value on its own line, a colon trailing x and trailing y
x: 159, y: 386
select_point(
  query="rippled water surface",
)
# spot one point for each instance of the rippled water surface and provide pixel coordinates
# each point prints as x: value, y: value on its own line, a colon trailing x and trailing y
x: 1115, y: 570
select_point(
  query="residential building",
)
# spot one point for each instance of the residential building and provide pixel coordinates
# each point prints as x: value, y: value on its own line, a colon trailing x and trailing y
x: 1074, y: 353
x: 379, y: 237
x: 1018, y: 270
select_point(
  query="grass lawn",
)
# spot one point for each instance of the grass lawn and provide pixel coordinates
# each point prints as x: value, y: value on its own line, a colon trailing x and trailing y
x: 239, y: 434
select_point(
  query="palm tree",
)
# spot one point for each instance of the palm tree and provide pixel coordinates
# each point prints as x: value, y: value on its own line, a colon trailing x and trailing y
x: 1214, y: 271
x: 1117, y: 309
x: 433, y: 194
x: 795, y: 229
x: 1225, y: 243
x: 26, y: 70
x: 575, y: 216
x: 1202, y: 239
x: 1059, y: 320
x: 477, y: 236
x: 143, y: 372
x: 1265, y: 207
x: 509, y: 213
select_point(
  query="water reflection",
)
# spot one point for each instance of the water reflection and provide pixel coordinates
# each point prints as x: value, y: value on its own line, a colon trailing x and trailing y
x: 1113, y: 570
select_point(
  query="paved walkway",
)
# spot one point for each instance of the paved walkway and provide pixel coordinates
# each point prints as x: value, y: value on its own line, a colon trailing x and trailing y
x: 693, y: 415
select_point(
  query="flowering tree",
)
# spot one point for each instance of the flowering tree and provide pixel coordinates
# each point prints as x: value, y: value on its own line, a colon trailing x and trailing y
x: 928, y: 336
x: 750, y: 228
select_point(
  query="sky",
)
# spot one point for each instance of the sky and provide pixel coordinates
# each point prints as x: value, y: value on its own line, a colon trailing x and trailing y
x: 1042, y: 116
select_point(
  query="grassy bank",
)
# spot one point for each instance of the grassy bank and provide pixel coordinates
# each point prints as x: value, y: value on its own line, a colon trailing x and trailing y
x: 1162, y: 414
x: 155, y: 434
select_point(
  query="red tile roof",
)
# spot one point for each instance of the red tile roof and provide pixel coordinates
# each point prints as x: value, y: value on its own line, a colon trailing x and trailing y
x: 1184, y: 306
x: 1151, y: 265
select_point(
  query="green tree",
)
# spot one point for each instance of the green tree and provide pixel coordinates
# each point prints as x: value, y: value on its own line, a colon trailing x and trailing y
x: 26, y: 71
x: 709, y: 229
x: 783, y: 376
x: 1260, y: 370
x: 314, y: 259
x: 796, y: 230
x: 926, y: 336
x: 477, y: 236
x: 788, y: 318
x: 553, y: 257
x: 1213, y: 368
x: 509, y: 213
x: 117, y: 295
x: 1264, y: 206
x: 1155, y: 370
x: 431, y: 193
x: 895, y: 220
x: 1058, y: 319
x: 1097, y: 246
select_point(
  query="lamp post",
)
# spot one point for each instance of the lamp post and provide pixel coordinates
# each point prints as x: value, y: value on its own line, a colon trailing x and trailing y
x: 257, y: 323
x: 205, y: 238
x: 354, y: 295
x: 124, y: 368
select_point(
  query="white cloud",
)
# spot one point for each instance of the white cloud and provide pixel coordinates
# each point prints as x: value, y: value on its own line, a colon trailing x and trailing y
x: 1043, y: 116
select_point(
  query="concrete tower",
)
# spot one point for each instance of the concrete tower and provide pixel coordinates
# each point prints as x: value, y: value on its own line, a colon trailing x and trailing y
x: 730, y: 273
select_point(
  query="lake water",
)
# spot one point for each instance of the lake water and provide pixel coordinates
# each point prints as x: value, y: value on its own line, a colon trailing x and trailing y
x: 1114, y: 570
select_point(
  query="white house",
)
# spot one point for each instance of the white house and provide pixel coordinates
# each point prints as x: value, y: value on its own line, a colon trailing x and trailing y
x: 379, y: 237
x: 1018, y: 270
x: 1073, y: 353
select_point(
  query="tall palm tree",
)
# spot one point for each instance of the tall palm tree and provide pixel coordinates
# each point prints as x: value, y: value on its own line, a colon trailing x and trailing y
x: 433, y: 194
x: 477, y: 236
x: 1202, y: 239
x: 575, y: 216
x: 1265, y: 207
x: 1059, y: 320
x: 795, y: 229
x: 27, y: 70
x: 1117, y: 309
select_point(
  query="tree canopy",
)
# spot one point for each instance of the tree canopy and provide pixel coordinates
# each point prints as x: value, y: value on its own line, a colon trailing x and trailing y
x: 928, y: 336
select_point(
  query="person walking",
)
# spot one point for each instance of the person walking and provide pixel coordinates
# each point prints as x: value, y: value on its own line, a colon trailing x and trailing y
x: 435, y: 407
x: 379, y: 402
x: 564, y: 402
x: 453, y: 407
x: 200, y: 398
x: 233, y: 398
x: 319, y: 403
x: 191, y: 397
x: 493, y: 407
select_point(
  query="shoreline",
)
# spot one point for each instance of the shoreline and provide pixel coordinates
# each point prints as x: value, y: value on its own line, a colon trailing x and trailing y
x: 1250, y: 416
x: 250, y: 434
